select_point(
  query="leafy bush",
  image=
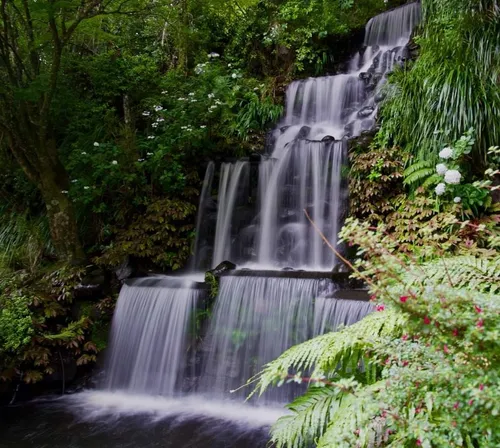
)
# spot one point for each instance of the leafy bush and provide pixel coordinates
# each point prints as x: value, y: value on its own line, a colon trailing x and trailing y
x: 453, y: 84
x: 422, y: 370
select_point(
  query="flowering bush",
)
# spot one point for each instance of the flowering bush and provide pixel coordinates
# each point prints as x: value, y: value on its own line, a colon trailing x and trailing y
x: 428, y: 357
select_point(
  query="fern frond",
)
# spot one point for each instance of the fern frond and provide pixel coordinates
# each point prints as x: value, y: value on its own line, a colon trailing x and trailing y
x: 417, y: 166
x: 417, y: 176
x: 340, y: 352
x: 480, y: 274
x: 311, y: 413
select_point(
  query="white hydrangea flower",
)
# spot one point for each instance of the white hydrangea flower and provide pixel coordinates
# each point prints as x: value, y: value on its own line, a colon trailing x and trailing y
x: 211, y: 95
x: 457, y: 200
x: 151, y: 137
x: 158, y: 108
x: 234, y: 76
x: 441, y: 169
x: 149, y: 153
x: 64, y: 191
x: 96, y: 144
x: 84, y: 153
x: 202, y: 126
x: 440, y: 189
x: 452, y: 177
x: 114, y: 162
x: 446, y: 153
x: 213, y: 55
x: 86, y: 188
x: 146, y: 113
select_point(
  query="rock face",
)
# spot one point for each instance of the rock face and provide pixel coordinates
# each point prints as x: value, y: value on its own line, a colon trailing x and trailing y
x: 222, y: 267
x: 366, y: 112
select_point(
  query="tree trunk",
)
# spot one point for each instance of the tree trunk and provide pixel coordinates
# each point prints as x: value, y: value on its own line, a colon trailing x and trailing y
x: 53, y: 184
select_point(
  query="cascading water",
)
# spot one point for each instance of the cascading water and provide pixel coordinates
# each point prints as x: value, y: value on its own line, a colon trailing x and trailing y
x: 303, y: 172
x: 255, y: 318
x: 149, y: 337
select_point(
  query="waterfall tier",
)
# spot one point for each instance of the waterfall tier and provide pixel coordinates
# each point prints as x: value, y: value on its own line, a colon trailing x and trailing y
x: 304, y: 170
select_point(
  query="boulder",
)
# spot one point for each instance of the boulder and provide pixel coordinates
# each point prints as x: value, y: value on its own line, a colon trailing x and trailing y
x: 366, y: 112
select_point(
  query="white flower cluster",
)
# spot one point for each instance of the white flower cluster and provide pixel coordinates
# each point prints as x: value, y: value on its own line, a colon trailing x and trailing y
x: 441, y: 169
x: 200, y: 68
x: 187, y: 128
x: 440, y: 189
x: 213, y: 55
x: 446, y: 153
x: 452, y: 177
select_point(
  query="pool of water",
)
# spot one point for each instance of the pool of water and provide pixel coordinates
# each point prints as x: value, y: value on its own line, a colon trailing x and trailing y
x: 112, y: 420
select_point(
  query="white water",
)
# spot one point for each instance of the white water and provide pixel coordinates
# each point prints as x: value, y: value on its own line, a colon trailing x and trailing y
x: 303, y: 172
x: 97, y: 405
x: 255, y: 319
x: 149, y: 336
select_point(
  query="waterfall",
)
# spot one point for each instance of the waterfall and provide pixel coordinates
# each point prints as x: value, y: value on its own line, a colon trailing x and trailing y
x: 261, y: 224
x: 303, y: 171
x: 257, y: 318
x: 150, y: 335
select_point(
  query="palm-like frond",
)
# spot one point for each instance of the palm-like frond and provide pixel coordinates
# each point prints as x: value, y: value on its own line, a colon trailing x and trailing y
x: 480, y: 274
x: 341, y: 352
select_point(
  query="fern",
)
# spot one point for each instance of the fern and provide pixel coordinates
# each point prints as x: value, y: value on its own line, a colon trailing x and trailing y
x: 341, y: 352
x: 416, y: 173
x: 479, y: 274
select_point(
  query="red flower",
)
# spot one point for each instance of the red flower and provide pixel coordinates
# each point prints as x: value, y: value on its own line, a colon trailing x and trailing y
x: 380, y: 307
x: 373, y: 298
x: 481, y: 387
x: 478, y: 309
x: 405, y: 363
x: 456, y: 405
x: 405, y: 337
x: 419, y: 443
x: 470, y: 402
x: 404, y: 298
x: 445, y: 349
x: 455, y: 332
x: 480, y: 323
x: 427, y: 321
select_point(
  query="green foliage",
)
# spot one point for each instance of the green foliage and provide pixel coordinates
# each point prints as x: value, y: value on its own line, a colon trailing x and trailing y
x: 453, y: 84
x: 431, y: 381
x: 162, y: 235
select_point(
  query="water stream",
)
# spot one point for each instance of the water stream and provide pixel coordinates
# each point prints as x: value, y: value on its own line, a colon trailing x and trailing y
x: 158, y: 369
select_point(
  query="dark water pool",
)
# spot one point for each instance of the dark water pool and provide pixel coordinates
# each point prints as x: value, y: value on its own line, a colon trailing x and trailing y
x: 98, y: 420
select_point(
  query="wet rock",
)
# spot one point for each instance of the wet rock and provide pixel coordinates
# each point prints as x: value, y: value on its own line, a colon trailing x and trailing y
x: 303, y: 133
x: 380, y: 96
x: 222, y: 267
x: 365, y: 76
x: 328, y: 138
x: 347, y: 112
x: 367, y: 124
x: 283, y: 129
x: 366, y: 112
x: 287, y: 269
x: 124, y: 271
x: 349, y: 127
x: 340, y: 268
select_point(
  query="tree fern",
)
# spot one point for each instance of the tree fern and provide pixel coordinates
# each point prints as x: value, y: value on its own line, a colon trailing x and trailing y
x: 340, y: 352
x: 480, y: 274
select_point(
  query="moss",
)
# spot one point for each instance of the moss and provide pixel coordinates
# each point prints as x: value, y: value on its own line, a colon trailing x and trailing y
x: 212, y: 281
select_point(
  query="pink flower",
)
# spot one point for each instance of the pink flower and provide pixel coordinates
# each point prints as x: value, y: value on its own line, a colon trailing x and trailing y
x: 455, y: 332
x: 427, y: 321
x: 478, y: 309
x: 419, y: 443
x: 404, y: 298
x: 470, y: 402
x: 405, y: 337
x: 380, y: 307
x: 481, y: 387
x: 445, y: 349
x: 456, y: 405
x: 480, y: 323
